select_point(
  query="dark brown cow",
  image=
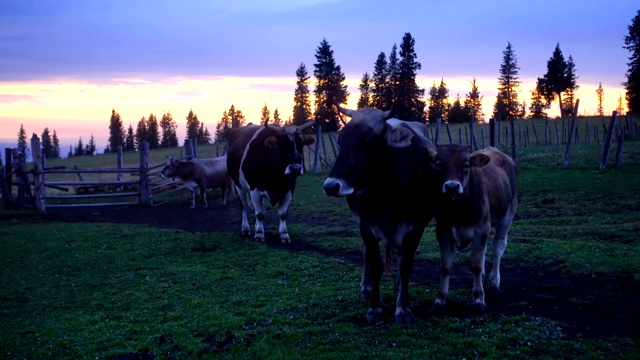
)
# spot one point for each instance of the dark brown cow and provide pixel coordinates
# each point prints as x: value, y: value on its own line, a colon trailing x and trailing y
x: 477, y: 192
x: 379, y: 171
x: 201, y: 174
x: 264, y: 161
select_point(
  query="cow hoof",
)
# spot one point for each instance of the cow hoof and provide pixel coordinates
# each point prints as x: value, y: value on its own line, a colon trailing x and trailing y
x: 438, y: 309
x: 258, y: 237
x: 493, y: 292
x: 479, y: 308
x: 245, y: 233
x: 374, y: 316
x: 404, y: 316
x: 285, y: 239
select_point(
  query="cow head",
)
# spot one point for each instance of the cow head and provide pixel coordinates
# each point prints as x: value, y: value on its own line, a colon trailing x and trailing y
x: 171, y: 168
x: 287, y: 143
x: 452, y: 165
x: 363, y: 141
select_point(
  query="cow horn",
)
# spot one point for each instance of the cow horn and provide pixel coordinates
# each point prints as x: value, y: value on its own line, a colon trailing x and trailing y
x: 347, y: 112
x: 273, y: 127
x: 306, y: 126
x: 387, y: 114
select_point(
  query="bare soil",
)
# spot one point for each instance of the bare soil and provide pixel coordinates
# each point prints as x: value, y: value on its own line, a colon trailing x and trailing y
x: 587, y: 305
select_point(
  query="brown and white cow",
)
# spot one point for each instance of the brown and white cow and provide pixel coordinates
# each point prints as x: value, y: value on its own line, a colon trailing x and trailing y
x: 264, y: 161
x: 477, y: 191
x: 201, y: 174
x: 380, y: 171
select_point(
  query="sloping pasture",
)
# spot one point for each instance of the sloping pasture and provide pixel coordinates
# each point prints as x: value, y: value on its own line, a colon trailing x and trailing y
x: 166, y: 282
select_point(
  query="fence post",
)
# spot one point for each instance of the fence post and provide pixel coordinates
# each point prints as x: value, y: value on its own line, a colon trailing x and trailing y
x: 7, y: 199
x: 492, y: 132
x: 120, y: 161
x: 145, y: 195
x: 607, y: 141
x: 316, y: 161
x: 8, y: 169
x: 474, y: 143
x: 38, y: 187
x: 570, y: 136
x: 438, y: 123
x: 24, y: 189
x: 513, y: 139
x: 448, y: 133
x: 618, y: 162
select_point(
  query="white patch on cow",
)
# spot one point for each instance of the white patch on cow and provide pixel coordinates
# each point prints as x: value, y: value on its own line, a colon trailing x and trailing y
x: 257, y: 198
x: 245, y: 209
x: 344, y: 189
x: 243, y: 180
x: 282, y: 209
x: 402, y: 230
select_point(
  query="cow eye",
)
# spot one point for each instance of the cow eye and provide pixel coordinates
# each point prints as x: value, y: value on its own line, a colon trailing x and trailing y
x: 438, y: 164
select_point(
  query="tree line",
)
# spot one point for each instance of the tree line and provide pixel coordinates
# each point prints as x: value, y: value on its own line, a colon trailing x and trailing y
x: 391, y: 85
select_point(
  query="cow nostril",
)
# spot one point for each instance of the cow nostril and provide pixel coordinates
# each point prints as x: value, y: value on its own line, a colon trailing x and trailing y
x: 331, y: 188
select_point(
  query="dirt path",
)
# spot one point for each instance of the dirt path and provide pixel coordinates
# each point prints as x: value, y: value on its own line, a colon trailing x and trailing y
x: 593, y: 305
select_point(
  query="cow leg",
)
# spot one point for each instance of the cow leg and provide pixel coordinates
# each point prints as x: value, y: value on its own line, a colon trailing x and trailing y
x: 405, y: 266
x: 203, y: 190
x: 283, y: 210
x: 193, y: 198
x: 445, y: 242
x: 478, y: 251
x: 365, y: 283
x: 256, y: 198
x: 375, y: 313
x: 499, y: 246
x: 223, y: 189
x: 245, y: 216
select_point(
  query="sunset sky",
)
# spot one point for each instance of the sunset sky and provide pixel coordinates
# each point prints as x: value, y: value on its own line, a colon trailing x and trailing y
x: 65, y: 64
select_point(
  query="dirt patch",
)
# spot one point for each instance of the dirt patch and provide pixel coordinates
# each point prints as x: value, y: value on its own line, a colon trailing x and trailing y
x: 588, y: 305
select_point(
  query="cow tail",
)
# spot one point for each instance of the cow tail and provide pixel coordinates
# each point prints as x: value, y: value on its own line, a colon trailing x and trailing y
x: 388, y: 261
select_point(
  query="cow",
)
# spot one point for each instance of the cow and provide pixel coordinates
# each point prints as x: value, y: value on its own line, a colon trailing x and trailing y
x: 477, y: 191
x: 201, y: 174
x: 264, y: 161
x: 379, y: 171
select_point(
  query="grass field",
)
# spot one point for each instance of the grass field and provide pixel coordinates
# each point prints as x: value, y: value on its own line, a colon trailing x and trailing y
x: 131, y: 291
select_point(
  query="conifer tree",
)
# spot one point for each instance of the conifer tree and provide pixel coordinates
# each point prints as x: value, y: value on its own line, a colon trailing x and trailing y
x: 600, y: 94
x: 90, y: 148
x: 572, y: 81
x: 265, y: 114
x: 408, y: 96
x: 140, y: 136
x: 330, y: 88
x: 276, y: 118
x: 169, y: 131
x: 116, y: 131
x: 70, y: 153
x: 79, y: 149
x: 365, y: 92
x: 507, y: 101
x: 301, y: 98
x: 153, y: 132
x: 223, y: 127
x: 130, y: 139
x: 438, y: 102
x: 556, y: 79
x: 22, y: 140
x: 392, y: 78
x: 457, y: 114
x: 632, y: 85
x: 47, y: 144
x: 380, y: 83
x: 193, y: 125
x: 539, y: 104
x: 204, y: 137
x: 56, y: 146
x: 473, y: 102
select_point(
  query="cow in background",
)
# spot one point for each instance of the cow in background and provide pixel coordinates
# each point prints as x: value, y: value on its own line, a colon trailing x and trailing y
x: 264, y: 161
x: 380, y: 172
x: 477, y: 191
x: 201, y: 174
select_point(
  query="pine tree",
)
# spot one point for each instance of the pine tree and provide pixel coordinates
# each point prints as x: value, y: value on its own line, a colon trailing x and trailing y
x: 539, y: 104
x: 276, y: 118
x: 556, y: 79
x: 116, y: 131
x: 632, y: 85
x: 473, y: 102
x: 600, y: 94
x: 223, y: 127
x: 408, y: 96
x: 236, y: 116
x: 203, y: 135
x: 130, y: 139
x: 169, y: 131
x: 507, y: 101
x: 365, y: 93
x: 392, y: 77
x: 22, y: 140
x: 153, y: 132
x: 620, y: 108
x: 330, y: 88
x: 301, y: 97
x: 265, y: 114
x: 457, y: 114
x: 70, y: 153
x: 193, y: 124
x: 140, y: 136
x: 79, y: 149
x: 47, y: 144
x: 572, y: 81
x: 438, y: 102
x: 90, y: 148
x: 380, y: 83
x: 56, y: 146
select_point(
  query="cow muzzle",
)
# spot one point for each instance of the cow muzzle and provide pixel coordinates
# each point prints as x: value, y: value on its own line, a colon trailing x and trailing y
x: 336, y: 187
x: 294, y: 170
x: 452, y: 188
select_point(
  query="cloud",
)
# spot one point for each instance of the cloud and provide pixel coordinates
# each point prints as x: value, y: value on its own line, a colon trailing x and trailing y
x: 9, y: 98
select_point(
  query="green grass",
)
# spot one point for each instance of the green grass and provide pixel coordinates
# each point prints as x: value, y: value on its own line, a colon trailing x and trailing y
x: 105, y: 290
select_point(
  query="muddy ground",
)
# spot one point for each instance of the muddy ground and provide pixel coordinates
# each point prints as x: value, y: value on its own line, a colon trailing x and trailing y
x: 588, y: 305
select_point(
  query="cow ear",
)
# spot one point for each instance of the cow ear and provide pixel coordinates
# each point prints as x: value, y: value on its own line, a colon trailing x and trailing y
x: 479, y: 160
x: 271, y: 142
x: 399, y: 137
x: 309, y: 140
